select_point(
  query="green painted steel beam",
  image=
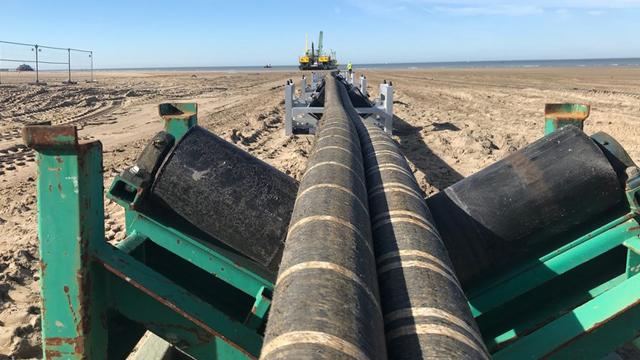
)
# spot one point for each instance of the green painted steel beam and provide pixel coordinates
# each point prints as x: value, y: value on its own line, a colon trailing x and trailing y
x: 519, y: 269
x: 259, y: 310
x: 186, y: 335
x: 552, y: 309
x: 588, y: 332
x: 225, y: 265
x: 131, y: 242
x: 70, y: 222
x: 550, y: 266
x: 134, y: 287
x: 523, y: 315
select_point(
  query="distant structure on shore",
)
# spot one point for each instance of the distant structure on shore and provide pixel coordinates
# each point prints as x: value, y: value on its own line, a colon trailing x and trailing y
x: 24, y: 67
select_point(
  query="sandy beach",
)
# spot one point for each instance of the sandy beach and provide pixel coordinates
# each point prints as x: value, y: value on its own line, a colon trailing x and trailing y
x: 449, y: 123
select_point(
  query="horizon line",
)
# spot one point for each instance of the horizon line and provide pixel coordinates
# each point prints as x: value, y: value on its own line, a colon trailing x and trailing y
x: 160, y: 67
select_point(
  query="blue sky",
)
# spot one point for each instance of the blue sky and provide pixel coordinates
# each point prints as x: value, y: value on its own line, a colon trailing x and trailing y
x: 199, y: 33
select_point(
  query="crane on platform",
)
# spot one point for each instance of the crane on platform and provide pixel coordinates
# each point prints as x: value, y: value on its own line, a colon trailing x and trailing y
x: 317, y: 59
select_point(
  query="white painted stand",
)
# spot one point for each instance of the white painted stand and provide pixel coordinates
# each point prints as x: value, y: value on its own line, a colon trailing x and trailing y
x: 298, y: 109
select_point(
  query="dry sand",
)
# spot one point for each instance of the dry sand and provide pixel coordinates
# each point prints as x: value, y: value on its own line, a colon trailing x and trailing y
x: 450, y: 123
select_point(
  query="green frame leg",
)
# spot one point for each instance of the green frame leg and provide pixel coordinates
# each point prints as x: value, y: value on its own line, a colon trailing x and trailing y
x: 70, y: 222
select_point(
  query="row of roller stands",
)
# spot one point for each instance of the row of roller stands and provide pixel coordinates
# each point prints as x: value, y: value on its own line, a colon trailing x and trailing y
x: 226, y: 257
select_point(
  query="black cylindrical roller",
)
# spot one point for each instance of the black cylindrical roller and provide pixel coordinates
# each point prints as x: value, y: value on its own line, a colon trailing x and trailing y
x: 426, y: 315
x: 522, y: 204
x: 326, y: 301
x: 229, y: 194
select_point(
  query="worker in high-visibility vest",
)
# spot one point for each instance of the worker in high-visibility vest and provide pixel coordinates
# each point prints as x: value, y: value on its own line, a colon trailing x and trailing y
x: 349, y: 67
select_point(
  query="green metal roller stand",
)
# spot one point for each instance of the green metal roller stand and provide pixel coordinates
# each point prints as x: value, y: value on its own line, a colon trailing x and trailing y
x: 98, y: 299
x: 579, y: 300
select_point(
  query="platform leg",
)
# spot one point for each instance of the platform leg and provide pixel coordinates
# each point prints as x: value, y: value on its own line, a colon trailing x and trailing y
x: 363, y: 85
x: 386, y: 96
x: 70, y: 226
x: 288, y: 109
x: 303, y: 87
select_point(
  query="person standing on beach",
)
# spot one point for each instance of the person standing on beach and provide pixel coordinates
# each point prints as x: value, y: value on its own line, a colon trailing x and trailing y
x: 349, y: 68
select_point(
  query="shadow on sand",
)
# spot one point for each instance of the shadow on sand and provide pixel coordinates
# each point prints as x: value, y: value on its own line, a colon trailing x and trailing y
x: 437, y: 172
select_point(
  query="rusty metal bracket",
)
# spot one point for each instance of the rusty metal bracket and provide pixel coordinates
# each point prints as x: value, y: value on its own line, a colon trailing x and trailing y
x: 178, y: 117
x: 559, y: 115
x: 50, y: 137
